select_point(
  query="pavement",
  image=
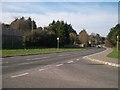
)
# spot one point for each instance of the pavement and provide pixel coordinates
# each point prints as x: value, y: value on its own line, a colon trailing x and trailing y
x: 102, y: 58
x: 58, y: 70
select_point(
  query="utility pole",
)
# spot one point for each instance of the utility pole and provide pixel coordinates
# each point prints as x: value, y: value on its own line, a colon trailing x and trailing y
x: 117, y: 43
x: 32, y: 33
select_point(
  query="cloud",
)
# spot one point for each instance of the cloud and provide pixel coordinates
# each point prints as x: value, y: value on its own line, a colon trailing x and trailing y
x: 42, y: 7
x: 99, y: 23
x: 95, y: 17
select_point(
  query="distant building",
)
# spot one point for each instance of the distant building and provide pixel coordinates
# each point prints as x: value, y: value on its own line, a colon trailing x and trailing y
x: 11, y: 38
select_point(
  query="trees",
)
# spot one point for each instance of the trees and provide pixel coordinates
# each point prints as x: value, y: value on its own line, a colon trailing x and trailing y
x: 83, y: 37
x: 112, y: 36
x: 92, y: 39
x: 43, y: 37
x: 73, y: 38
x: 62, y: 30
x: 46, y: 36
x: 40, y: 38
x: 96, y: 39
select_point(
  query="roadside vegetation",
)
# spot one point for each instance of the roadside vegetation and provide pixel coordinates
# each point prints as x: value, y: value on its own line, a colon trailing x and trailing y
x: 15, y: 52
x: 114, y: 54
x: 111, y: 40
x: 24, y: 33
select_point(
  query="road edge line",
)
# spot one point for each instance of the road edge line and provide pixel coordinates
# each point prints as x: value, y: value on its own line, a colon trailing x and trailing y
x: 103, y: 62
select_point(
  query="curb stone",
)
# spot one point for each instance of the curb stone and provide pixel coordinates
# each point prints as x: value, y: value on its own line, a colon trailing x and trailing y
x: 100, y: 61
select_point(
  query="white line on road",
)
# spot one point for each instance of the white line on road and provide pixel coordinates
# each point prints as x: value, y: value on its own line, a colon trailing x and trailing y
x: 28, y: 59
x: 59, y: 65
x: 12, y: 57
x: 35, y: 58
x: 28, y: 56
x: 63, y: 55
x: 103, y: 62
x: 28, y: 63
x: 77, y: 59
x: 70, y: 62
x: 23, y: 63
x: 39, y: 58
x: 4, y: 62
x: 41, y: 69
x: 19, y: 75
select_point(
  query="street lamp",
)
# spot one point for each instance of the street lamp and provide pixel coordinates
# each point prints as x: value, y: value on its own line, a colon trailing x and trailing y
x: 57, y: 42
x: 117, y: 42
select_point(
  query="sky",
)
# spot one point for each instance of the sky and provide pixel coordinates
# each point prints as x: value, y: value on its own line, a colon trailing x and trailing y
x: 95, y: 17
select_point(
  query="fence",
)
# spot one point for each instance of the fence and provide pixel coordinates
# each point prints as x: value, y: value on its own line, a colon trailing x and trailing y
x: 11, y: 38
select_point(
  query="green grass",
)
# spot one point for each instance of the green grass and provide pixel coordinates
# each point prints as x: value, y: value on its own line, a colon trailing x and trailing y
x: 15, y: 52
x: 114, y: 54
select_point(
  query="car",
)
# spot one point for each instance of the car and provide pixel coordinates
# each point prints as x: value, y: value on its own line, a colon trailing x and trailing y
x: 99, y: 46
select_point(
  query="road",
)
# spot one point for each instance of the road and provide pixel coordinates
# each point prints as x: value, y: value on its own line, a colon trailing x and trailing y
x: 58, y: 70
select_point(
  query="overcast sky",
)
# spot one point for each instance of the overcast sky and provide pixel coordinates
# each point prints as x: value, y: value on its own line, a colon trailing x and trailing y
x: 96, y: 17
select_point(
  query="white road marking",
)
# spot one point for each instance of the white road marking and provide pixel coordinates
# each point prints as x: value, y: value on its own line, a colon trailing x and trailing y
x: 23, y: 63
x: 60, y: 55
x: 27, y: 63
x: 77, y: 59
x: 97, y: 53
x: 41, y: 69
x: 39, y: 58
x: 35, y: 58
x: 4, y: 62
x: 59, y: 65
x: 19, y: 75
x: 28, y: 59
x: 63, y: 55
x: 70, y: 62
x: 12, y: 57
x: 28, y: 56
x: 103, y: 62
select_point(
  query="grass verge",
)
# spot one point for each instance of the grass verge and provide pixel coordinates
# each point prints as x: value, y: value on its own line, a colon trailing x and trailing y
x: 16, y: 52
x: 114, y: 54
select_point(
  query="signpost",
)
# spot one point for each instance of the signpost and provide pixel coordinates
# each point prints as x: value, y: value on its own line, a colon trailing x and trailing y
x: 58, y: 42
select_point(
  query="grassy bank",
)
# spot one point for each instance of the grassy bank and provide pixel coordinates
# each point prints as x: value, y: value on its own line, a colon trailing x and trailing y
x: 114, y: 54
x: 14, y: 52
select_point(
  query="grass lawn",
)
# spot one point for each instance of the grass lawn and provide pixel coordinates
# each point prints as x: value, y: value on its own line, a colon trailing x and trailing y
x: 14, y: 52
x: 114, y: 54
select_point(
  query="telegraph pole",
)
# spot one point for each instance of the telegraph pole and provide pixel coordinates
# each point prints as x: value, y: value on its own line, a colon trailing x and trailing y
x: 32, y: 32
x: 117, y: 43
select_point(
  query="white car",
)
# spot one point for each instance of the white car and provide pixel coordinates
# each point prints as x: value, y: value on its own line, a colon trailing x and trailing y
x: 99, y: 46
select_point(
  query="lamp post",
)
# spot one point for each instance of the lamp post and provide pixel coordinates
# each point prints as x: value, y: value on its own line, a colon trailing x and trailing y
x: 57, y: 42
x: 117, y: 42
